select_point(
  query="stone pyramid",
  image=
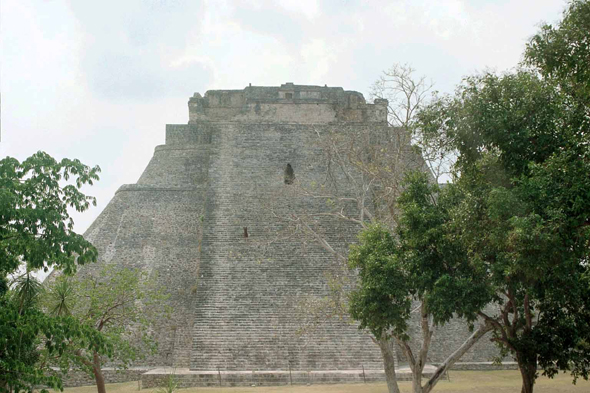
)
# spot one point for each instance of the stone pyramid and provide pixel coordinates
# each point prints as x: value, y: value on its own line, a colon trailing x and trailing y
x: 186, y: 219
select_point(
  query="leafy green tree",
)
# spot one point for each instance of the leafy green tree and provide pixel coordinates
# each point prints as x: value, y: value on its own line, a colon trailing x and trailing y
x: 562, y: 53
x: 31, y: 342
x: 120, y: 304
x: 522, y: 214
x: 381, y: 301
x: 419, y: 266
x: 36, y: 228
x: 20, y: 303
x: 524, y: 218
x: 513, y: 230
x: 26, y: 291
x: 36, y: 231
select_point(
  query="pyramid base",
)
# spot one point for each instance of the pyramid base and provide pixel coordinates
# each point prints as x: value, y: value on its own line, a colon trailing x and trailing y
x: 191, y: 378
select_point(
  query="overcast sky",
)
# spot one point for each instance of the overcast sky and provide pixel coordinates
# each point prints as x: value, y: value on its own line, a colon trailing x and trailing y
x: 98, y: 80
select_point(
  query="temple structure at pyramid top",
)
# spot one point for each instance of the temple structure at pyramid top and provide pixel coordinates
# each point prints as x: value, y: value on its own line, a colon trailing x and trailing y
x: 288, y: 103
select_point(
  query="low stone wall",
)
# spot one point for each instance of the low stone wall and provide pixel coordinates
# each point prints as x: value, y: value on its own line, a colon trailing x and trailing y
x: 151, y: 378
x: 186, y: 378
x: 484, y: 366
x: 80, y: 378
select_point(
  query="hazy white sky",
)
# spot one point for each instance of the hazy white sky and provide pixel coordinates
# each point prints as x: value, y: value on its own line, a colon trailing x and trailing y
x: 98, y: 80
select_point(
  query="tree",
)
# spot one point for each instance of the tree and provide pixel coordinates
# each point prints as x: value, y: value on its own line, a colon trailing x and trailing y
x: 522, y: 216
x: 415, y: 265
x: 31, y: 342
x: 561, y: 54
x: 380, y: 278
x: 121, y: 304
x: 406, y: 96
x: 36, y: 230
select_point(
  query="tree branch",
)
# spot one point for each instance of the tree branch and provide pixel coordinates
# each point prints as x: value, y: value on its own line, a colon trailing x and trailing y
x: 455, y: 356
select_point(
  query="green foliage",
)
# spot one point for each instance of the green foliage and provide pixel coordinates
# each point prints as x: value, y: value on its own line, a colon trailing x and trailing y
x: 169, y: 385
x: 421, y: 261
x: 382, y: 300
x: 435, y: 258
x: 518, y: 116
x: 562, y: 53
x: 520, y: 213
x: 513, y: 229
x: 26, y: 291
x: 60, y: 297
x: 23, y: 331
x: 122, y: 304
x: 36, y: 230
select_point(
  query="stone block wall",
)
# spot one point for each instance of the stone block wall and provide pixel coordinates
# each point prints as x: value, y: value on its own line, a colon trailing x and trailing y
x: 76, y: 378
x: 156, y: 226
x: 246, y: 314
x: 266, y: 378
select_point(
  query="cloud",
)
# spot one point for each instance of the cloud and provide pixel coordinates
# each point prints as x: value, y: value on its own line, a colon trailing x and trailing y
x: 140, y: 75
x: 128, y: 47
x: 309, y: 8
x: 274, y: 21
x: 316, y: 53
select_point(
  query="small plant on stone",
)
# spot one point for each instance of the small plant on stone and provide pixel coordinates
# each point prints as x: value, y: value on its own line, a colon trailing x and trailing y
x: 169, y: 384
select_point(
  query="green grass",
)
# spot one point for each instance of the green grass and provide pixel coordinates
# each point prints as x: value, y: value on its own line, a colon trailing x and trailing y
x: 461, y: 381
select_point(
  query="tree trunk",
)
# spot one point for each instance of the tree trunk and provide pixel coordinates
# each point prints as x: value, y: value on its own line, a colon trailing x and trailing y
x: 413, y: 364
x: 528, y: 372
x: 389, y: 364
x: 417, y: 380
x: 98, y: 377
x: 424, y: 348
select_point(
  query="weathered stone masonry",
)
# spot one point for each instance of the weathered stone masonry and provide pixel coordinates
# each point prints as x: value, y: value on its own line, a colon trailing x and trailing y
x: 185, y: 220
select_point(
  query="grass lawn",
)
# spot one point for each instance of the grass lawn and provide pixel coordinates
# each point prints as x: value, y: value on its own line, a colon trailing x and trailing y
x: 461, y: 381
